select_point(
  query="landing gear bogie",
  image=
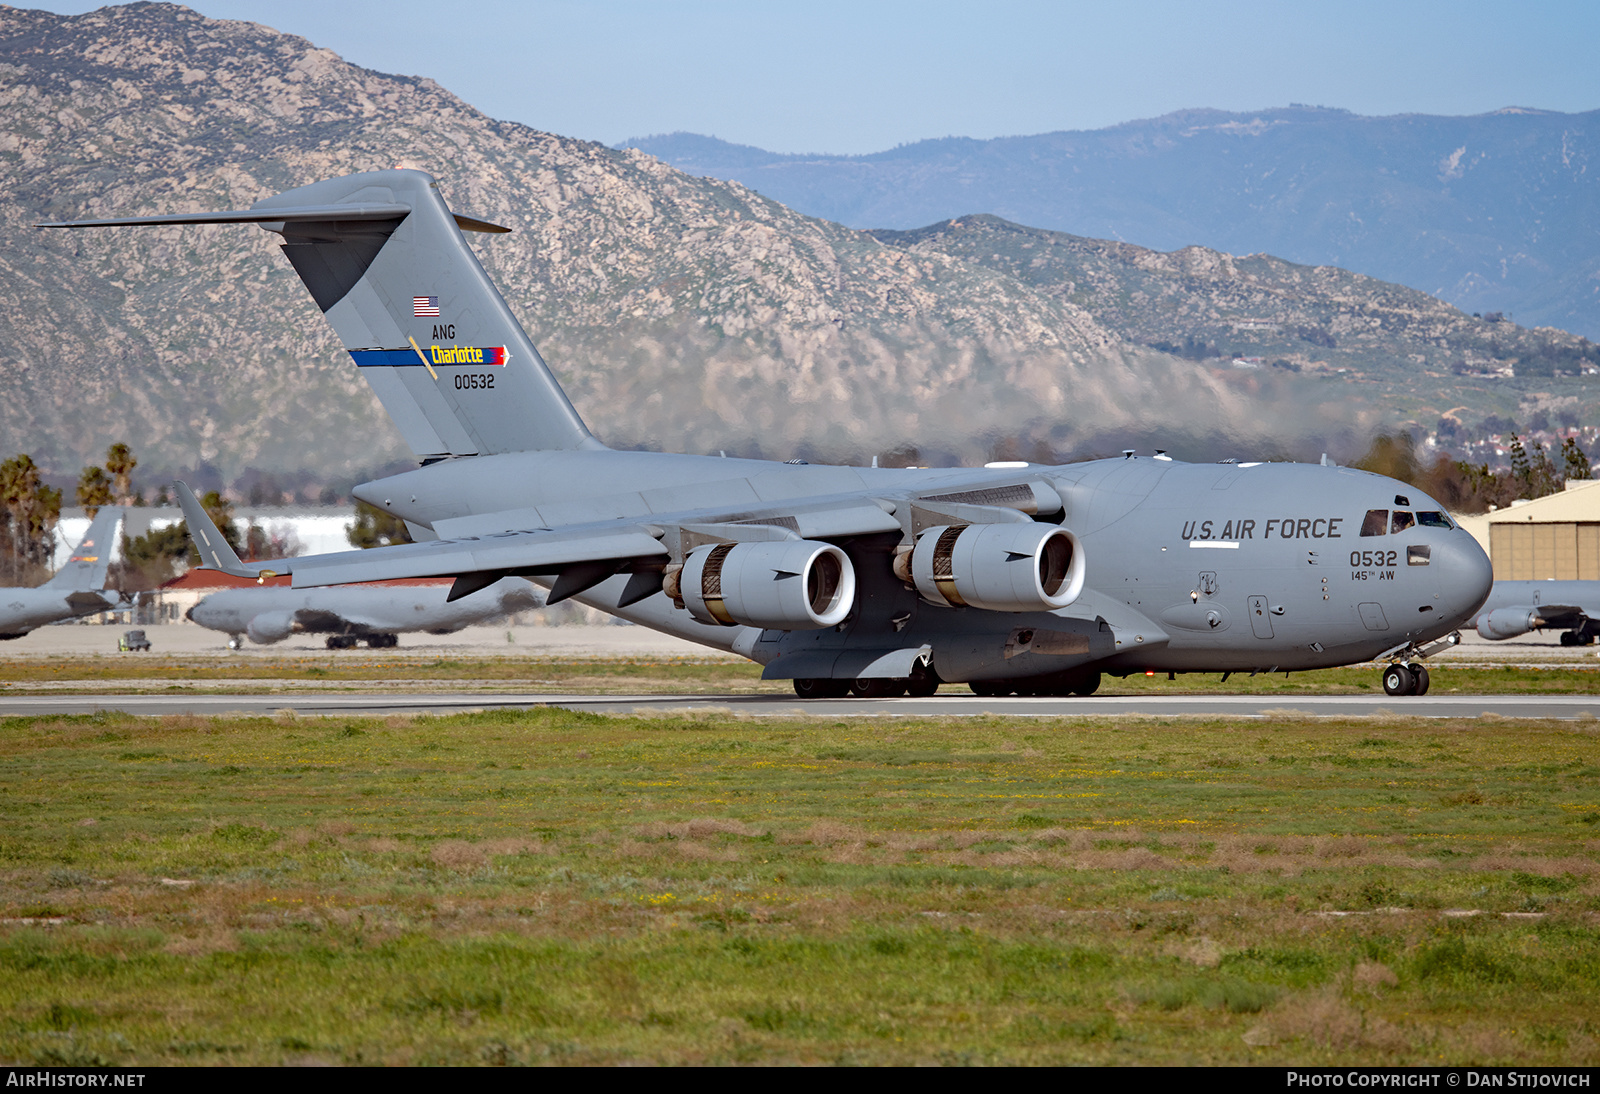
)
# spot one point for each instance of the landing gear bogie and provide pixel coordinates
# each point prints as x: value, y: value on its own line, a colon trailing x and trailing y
x: 813, y: 688
x: 878, y: 688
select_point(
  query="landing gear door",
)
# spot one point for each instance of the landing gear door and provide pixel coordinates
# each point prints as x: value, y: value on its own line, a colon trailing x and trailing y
x: 1260, y: 620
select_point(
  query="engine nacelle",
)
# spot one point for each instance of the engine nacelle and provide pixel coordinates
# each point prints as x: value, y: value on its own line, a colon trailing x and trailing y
x: 998, y: 567
x: 1503, y: 623
x: 269, y: 627
x: 788, y: 585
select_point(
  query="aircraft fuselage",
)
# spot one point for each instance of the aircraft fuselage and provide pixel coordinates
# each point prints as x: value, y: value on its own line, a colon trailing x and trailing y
x: 1231, y: 567
x: 21, y: 610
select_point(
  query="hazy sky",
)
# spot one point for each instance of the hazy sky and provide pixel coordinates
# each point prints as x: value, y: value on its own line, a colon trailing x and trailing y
x: 862, y: 76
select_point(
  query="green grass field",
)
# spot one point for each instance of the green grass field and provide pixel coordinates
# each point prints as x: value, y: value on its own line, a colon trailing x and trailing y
x: 555, y: 887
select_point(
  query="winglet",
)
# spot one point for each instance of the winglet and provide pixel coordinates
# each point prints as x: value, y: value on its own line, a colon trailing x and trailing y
x: 215, y: 554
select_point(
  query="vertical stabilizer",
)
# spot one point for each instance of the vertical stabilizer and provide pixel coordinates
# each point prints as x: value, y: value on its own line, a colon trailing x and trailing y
x: 386, y: 262
x: 419, y: 315
x: 86, y: 569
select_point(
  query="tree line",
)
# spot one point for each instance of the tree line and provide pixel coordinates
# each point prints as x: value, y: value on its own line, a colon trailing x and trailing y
x: 30, y: 510
x: 1467, y: 488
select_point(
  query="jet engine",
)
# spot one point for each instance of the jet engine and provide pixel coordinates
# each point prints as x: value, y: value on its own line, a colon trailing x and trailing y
x: 997, y: 567
x: 270, y: 627
x: 789, y: 585
x: 1503, y: 623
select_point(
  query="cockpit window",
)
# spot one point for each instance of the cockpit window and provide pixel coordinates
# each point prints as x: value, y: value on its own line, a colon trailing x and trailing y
x: 1377, y: 522
x: 1402, y: 521
x: 1434, y: 520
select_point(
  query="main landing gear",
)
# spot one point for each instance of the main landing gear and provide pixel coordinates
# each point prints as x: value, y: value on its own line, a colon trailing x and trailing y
x: 1409, y: 679
x: 922, y: 683
x: 373, y: 641
x: 1083, y: 683
x: 876, y: 688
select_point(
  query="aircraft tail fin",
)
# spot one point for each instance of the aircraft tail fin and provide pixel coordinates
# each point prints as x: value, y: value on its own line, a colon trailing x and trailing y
x: 385, y: 260
x: 86, y: 569
x: 215, y: 554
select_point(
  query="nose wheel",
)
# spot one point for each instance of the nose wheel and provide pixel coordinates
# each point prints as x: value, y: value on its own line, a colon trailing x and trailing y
x: 1409, y: 679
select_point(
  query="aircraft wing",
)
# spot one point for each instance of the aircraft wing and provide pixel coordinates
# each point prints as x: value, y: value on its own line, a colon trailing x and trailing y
x: 530, y: 552
x: 502, y: 553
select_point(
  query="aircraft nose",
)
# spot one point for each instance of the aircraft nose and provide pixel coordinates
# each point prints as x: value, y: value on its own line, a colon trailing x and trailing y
x: 1465, y: 576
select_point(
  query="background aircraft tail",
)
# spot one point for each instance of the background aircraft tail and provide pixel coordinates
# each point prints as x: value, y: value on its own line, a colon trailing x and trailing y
x: 86, y: 569
x: 386, y: 262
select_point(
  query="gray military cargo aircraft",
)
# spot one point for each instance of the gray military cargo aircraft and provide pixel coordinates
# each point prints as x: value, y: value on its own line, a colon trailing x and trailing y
x: 1011, y: 577
x: 1516, y: 607
x: 374, y: 614
x: 76, y: 589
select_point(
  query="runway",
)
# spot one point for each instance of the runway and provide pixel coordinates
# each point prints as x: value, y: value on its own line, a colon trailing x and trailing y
x: 954, y: 704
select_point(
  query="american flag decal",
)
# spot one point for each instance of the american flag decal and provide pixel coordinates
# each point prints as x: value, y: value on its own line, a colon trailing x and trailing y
x: 425, y: 307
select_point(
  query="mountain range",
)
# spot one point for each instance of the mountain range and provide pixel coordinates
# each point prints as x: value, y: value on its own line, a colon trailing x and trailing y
x: 681, y: 312
x: 1491, y: 213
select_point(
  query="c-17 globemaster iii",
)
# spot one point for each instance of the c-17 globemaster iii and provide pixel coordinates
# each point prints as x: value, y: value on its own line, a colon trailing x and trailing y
x: 76, y: 589
x: 1010, y: 577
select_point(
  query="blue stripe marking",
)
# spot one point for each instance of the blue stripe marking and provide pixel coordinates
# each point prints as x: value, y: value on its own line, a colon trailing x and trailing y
x: 392, y: 357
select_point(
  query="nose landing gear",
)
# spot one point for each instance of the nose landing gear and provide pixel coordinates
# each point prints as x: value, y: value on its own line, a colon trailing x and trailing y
x: 1409, y: 679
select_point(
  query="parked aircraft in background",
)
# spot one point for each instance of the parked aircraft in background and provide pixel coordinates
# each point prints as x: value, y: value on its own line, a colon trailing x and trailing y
x: 78, y: 588
x: 1011, y: 577
x: 374, y: 614
x: 1516, y: 607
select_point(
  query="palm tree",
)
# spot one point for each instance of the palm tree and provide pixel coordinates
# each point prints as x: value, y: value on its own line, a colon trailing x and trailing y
x: 120, y: 462
x: 94, y: 490
x: 19, y: 485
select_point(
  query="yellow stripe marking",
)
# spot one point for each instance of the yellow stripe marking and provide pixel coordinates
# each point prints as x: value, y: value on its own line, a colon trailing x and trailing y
x: 423, y: 357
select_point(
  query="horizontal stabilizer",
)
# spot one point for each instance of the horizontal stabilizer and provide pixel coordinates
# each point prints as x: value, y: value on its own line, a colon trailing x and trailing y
x: 473, y: 224
x: 253, y: 216
x: 277, y: 216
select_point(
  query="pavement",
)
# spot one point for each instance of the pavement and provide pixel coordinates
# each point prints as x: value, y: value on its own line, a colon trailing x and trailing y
x: 579, y: 641
x: 955, y: 702
x: 564, y: 640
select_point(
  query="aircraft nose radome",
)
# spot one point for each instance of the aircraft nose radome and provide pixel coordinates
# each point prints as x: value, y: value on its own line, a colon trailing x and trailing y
x: 1467, y: 574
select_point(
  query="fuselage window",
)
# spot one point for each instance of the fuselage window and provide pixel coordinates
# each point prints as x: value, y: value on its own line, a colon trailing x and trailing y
x: 1377, y: 522
x: 1434, y: 520
x: 1402, y: 521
